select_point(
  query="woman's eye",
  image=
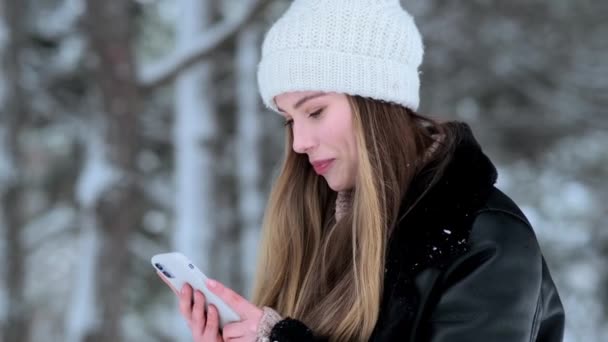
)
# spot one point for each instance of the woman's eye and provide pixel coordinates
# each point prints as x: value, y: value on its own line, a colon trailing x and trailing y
x: 315, y: 114
x: 288, y: 123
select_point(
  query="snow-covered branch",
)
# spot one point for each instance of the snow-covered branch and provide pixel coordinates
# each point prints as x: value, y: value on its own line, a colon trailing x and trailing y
x: 165, y: 70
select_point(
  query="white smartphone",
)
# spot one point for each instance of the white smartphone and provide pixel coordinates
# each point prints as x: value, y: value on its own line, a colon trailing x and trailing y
x: 179, y: 270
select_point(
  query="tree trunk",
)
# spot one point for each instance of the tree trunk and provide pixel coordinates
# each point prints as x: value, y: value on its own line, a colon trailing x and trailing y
x: 94, y: 178
x: 117, y: 209
x: 195, y: 135
x: 14, y: 325
x: 249, y: 168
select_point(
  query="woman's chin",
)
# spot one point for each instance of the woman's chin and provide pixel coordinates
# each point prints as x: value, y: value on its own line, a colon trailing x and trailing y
x: 335, y: 185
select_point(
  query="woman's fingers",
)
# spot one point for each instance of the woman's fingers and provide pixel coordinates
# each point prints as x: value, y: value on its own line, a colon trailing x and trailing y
x: 211, y: 330
x: 185, y: 302
x: 198, y: 314
x: 204, y: 325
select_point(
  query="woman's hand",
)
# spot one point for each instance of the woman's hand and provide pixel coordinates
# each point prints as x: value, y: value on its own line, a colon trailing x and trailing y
x: 204, y: 327
x: 245, y: 330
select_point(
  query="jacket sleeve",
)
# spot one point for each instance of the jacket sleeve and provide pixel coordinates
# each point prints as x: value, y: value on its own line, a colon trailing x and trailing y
x: 292, y: 330
x: 492, y: 292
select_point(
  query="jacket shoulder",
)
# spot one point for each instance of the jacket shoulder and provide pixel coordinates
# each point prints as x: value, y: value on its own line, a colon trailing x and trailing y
x: 502, y: 224
x: 493, y: 291
x: 506, y: 232
x: 498, y: 201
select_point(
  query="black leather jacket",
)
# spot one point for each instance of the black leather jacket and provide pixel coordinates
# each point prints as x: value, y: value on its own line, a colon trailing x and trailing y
x: 464, y: 265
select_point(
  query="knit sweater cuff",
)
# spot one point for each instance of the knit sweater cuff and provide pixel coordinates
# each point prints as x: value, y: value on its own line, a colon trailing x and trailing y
x: 267, y: 322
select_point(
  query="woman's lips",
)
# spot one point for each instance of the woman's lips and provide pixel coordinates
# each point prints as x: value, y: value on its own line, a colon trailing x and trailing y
x: 321, y: 166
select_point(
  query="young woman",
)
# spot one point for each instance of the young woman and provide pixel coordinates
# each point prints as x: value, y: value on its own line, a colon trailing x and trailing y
x: 383, y: 224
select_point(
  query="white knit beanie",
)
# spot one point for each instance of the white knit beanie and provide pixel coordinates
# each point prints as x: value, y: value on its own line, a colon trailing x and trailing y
x: 370, y: 48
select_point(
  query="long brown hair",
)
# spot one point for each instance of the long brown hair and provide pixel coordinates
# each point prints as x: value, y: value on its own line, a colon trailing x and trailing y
x: 329, y: 274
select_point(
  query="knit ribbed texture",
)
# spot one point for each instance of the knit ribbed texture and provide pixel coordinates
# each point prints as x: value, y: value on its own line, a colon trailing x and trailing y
x: 269, y: 319
x: 370, y: 48
x: 343, y: 203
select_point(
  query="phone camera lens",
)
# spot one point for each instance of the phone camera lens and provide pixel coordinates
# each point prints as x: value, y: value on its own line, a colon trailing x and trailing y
x: 167, y: 274
x: 159, y: 266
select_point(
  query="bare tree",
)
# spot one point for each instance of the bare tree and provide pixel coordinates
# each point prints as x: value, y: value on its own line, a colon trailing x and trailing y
x: 117, y: 211
x: 195, y: 135
x: 107, y: 191
x: 249, y: 160
x: 168, y: 68
x: 14, y: 323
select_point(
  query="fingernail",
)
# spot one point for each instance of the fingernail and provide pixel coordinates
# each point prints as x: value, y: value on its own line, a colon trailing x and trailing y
x: 183, y: 290
x: 211, y: 283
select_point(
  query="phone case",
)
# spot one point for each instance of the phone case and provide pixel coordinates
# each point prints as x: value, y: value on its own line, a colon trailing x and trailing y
x: 179, y: 270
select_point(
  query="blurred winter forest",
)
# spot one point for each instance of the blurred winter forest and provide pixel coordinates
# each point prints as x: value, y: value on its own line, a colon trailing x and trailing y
x: 129, y: 128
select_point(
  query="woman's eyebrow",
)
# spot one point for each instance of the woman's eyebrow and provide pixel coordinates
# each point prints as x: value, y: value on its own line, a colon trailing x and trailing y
x: 304, y: 99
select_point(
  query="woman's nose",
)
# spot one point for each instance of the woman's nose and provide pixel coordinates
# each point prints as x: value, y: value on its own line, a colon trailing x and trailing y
x: 302, y: 139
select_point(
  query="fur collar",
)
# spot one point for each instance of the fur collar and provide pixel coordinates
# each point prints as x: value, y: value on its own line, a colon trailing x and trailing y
x: 437, y: 228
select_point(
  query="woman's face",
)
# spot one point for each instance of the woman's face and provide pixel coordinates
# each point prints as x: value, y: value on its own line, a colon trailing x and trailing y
x: 322, y: 126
